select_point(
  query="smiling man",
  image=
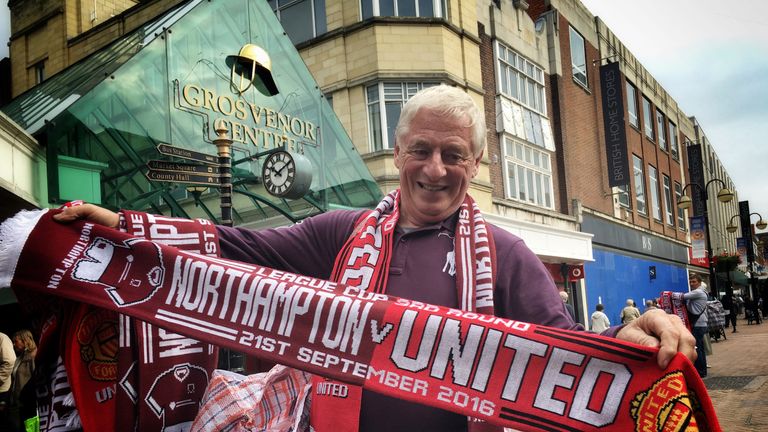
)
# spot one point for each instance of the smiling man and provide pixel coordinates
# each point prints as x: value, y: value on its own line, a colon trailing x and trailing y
x: 427, y: 242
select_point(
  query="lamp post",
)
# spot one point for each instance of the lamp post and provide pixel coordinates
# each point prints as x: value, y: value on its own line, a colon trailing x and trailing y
x: 746, y: 233
x: 723, y: 195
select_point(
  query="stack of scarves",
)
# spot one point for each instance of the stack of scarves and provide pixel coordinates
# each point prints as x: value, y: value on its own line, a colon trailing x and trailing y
x: 505, y: 372
x: 674, y: 303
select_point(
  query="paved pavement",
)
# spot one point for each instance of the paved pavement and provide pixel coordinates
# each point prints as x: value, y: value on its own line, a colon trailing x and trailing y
x: 737, y: 380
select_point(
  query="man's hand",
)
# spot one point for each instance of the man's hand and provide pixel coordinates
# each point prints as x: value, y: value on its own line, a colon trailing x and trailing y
x: 657, y: 328
x: 90, y: 213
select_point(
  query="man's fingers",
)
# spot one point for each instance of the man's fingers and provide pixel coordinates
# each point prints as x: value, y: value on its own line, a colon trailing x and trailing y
x: 659, y: 329
x: 90, y: 213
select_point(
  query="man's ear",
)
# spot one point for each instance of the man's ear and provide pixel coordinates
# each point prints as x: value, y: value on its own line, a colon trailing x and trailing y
x: 398, y: 162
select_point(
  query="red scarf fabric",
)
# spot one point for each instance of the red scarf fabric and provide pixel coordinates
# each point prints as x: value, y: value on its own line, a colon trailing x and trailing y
x: 509, y: 373
x: 363, y: 262
x: 674, y: 303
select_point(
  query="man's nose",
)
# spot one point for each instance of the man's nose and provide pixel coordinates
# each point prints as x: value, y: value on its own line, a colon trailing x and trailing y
x: 435, y: 167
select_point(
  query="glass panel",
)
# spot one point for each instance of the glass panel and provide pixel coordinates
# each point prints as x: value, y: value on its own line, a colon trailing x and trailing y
x: 521, y: 183
x: 578, y: 57
x: 639, y: 184
x: 426, y: 8
x: 654, y: 185
x: 529, y: 180
x: 680, y: 212
x: 367, y: 8
x: 512, y: 185
x: 647, y: 120
x: 393, y: 115
x: 320, y: 25
x: 406, y: 8
x: 297, y: 21
x: 374, y: 116
x: 386, y: 7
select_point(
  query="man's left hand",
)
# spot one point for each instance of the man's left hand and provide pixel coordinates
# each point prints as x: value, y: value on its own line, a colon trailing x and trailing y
x: 657, y: 328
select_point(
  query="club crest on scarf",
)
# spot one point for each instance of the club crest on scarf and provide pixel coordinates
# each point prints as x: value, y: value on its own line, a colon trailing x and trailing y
x: 665, y: 406
x: 112, y: 264
x: 97, y: 336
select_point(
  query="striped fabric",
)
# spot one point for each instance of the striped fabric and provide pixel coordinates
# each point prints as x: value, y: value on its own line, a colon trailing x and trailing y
x: 274, y: 401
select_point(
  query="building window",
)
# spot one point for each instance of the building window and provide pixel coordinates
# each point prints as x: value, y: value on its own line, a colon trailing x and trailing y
x: 520, y: 79
x: 647, y: 119
x: 680, y: 212
x: 668, y: 201
x: 301, y: 19
x: 632, y: 105
x: 528, y: 173
x: 661, y: 128
x: 623, y: 195
x: 639, y: 184
x: 653, y: 176
x: 674, y: 146
x: 385, y: 101
x: 578, y: 58
x: 403, y: 8
x: 39, y: 72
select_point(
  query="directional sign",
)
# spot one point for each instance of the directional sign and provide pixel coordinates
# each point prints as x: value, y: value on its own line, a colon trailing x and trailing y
x: 180, y: 177
x: 182, y: 167
x: 187, y: 154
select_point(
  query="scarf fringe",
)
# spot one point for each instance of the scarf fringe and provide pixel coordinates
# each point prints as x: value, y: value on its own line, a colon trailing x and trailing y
x: 13, y: 235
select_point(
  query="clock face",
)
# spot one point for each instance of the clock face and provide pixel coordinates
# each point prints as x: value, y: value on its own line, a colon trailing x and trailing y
x: 279, y: 173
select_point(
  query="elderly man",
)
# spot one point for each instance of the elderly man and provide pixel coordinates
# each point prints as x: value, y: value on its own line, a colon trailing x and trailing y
x: 440, y: 140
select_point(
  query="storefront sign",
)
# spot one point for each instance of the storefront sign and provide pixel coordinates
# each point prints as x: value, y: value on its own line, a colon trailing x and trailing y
x: 614, y: 235
x: 248, y: 123
x: 613, y: 124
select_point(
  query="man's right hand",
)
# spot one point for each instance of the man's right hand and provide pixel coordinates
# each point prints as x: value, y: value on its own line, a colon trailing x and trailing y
x: 90, y: 213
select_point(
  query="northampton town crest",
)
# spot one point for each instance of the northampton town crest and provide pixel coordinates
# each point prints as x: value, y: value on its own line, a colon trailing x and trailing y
x: 666, y: 406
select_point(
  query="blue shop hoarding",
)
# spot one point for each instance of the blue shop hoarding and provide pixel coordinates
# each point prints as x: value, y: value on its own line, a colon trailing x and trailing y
x: 630, y: 264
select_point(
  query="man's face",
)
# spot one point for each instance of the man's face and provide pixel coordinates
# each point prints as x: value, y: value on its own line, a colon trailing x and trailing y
x: 694, y: 283
x: 436, y: 164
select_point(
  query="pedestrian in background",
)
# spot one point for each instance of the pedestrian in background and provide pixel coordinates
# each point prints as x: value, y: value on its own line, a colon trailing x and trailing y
x: 7, y: 360
x: 729, y: 305
x: 23, y: 399
x: 568, y: 307
x: 600, y: 321
x: 630, y: 312
x: 649, y: 306
x: 696, y: 303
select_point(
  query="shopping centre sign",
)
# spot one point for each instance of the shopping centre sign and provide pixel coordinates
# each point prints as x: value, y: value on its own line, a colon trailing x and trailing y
x: 249, y: 123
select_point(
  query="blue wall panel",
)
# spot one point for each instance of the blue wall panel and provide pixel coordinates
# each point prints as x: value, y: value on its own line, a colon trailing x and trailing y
x: 614, y: 278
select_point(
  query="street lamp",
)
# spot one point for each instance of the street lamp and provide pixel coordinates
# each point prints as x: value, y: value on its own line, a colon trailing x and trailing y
x: 760, y: 224
x: 723, y: 195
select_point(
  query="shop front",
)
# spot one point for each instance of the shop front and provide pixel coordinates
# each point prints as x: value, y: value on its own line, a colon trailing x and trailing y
x: 631, y: 264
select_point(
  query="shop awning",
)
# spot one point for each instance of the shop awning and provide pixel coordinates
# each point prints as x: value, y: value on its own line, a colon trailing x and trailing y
x: 736, y: 277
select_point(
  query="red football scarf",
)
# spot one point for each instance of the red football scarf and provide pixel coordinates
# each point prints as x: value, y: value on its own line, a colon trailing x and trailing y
x: 363, y: 262
x: 509, y: 373
x: 674, y: 303
x: 162, y: 375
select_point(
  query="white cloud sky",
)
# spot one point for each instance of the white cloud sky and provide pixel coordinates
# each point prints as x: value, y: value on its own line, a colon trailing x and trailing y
x: 712, y: 58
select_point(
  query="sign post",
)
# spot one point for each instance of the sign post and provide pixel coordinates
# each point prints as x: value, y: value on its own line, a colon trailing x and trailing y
x: 207, y: 170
